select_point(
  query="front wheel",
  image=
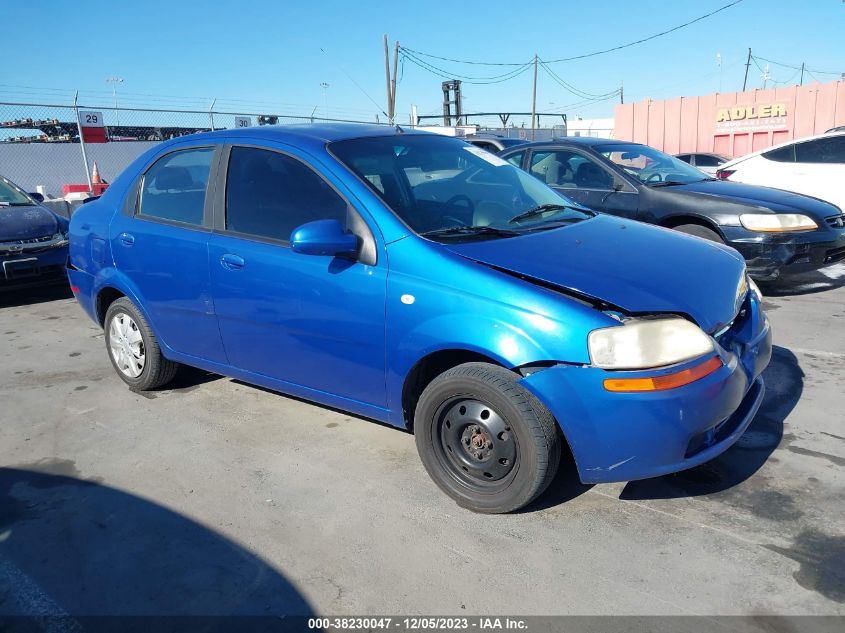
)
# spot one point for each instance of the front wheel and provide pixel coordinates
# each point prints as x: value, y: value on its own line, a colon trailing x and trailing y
x: 486, y: 441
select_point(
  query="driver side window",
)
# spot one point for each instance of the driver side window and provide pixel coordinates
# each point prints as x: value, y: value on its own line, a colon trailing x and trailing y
x: 269, y: 194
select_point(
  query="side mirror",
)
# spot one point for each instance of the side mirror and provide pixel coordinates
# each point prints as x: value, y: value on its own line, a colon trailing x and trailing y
x: 323, y: 237
x: 36, y: 196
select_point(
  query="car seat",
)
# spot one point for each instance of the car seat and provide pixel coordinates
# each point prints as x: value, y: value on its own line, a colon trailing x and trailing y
x: 590, y: 176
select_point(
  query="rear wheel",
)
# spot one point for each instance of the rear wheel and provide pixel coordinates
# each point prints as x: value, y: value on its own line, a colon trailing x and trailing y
x: 700, y: 231
x: 133, y: 349
x: 486, y: 441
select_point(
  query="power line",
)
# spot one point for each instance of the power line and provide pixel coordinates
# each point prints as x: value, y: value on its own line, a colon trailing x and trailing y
x: 460, y: 61
x: 650, y: 37
x: 446, y: 74
x: 576, y: 91
x: 788, y: 81
x: 585, y: 55
x: 366, y: 94
x: 820, y: 72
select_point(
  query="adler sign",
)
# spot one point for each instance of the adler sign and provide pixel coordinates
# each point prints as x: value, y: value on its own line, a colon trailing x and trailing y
x: 760, y: 116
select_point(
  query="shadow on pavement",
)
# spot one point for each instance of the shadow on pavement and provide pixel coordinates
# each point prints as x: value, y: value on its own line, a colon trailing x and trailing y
x: 564, y: 487
x: 829, y: 278
x: 784, y: 384
x: 13, y: 297
x: 71, y: 547
x: 188, y: 378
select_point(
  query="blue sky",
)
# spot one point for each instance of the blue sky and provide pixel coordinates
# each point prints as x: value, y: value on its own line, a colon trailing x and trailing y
x: 266, y: 56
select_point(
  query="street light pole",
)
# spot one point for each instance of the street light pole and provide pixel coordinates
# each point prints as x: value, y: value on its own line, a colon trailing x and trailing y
x: 114, y: 81
x: 325, y: 86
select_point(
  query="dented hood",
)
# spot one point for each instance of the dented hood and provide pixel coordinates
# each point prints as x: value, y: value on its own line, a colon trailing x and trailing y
x: 636, y: 267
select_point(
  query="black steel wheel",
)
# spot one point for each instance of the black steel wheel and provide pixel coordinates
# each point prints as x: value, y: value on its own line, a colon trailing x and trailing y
x: 484, y: 440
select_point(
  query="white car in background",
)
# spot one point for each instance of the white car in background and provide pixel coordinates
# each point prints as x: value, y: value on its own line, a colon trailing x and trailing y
x: 708, y: 162
x: 814, y: 166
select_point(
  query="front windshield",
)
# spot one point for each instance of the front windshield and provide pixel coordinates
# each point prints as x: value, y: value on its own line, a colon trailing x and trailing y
x: 650, y: 165
x: 441, y: 186
x: 11, y: 196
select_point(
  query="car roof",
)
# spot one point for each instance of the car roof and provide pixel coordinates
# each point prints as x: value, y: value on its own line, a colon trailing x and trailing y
x: 591, y: 141
x: 320, y: 132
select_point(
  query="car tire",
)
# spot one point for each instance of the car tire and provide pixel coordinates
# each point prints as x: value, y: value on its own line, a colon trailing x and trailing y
x: 700, y: 231
x: 133, y: 349
x: 485, y: 440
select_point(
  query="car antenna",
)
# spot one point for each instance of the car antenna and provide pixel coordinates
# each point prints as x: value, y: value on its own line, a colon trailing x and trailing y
x: 399, y: 130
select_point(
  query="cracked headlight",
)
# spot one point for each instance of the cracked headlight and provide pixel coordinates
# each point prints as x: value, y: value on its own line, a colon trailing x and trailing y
x: 646, y: 343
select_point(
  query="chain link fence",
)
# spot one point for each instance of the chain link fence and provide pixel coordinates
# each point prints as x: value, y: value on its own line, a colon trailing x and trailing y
x: 40, y: 147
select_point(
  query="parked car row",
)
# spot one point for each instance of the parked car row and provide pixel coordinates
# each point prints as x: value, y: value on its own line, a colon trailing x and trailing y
x: 492, y: 304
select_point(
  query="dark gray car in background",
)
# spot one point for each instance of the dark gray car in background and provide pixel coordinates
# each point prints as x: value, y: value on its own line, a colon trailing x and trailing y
x: 778, y: 232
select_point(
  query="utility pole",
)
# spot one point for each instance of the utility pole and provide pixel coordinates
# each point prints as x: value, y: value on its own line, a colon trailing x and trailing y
x: 392, y: 111
x: 622, y: 94
x: 747, y: 65
x: 534, y: 100
x: 802, y: 74
x: 765, y: 76
x: 391, y: 82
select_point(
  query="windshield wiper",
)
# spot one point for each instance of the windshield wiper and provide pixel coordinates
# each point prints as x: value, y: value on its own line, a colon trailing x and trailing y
x: 16, y: 204
x: 667, y: 183
x: 539, y: 210
x: 470, y: 230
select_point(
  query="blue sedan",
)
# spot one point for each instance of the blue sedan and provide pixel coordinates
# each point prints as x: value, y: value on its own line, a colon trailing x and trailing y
x: 33, y: 240
x: 420, y: 281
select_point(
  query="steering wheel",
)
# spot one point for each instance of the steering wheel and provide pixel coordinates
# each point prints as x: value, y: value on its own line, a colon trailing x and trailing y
x: 655, y: 177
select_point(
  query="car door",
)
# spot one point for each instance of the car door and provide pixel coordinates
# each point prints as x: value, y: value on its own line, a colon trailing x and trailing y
x: 585, y: 179
x: 309, y: 320
x: 160, y: 243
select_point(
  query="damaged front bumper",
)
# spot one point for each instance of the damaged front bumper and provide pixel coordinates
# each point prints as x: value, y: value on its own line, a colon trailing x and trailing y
x: 628, y: 436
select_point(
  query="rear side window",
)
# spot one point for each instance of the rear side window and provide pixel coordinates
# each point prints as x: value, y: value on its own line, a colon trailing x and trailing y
x: 782, y: 155
x: 683, y: 157
x: 821, y: 150
x: 269, y: 195
x: 705, y: 160
x: 516, y: 159
x: 488, y: 146
x: 174, y: 187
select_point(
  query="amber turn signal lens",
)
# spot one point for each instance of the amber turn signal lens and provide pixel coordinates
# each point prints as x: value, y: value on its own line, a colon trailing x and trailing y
x: 669, y: 381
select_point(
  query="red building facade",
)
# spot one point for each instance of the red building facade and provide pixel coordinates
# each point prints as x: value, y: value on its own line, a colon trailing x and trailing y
x: 732, y: 123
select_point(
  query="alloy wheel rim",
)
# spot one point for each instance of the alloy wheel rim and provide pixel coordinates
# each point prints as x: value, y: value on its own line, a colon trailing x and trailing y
x: 127, y: 345
x: 476, y: 445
